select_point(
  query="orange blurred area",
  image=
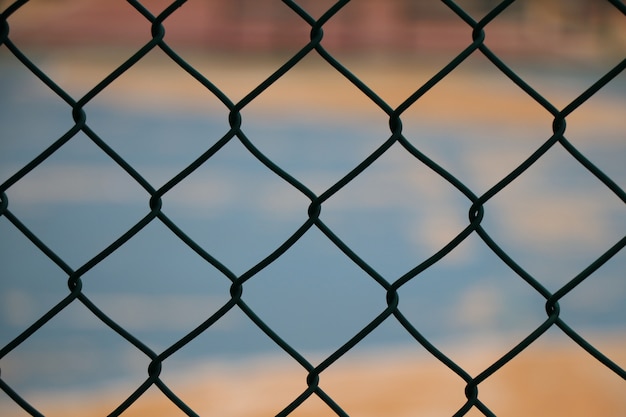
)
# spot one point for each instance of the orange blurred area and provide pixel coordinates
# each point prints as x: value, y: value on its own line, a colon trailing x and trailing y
x: 547, y: 379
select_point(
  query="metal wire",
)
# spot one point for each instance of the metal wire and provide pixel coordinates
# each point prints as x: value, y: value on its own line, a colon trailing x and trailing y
x: 390, y: 289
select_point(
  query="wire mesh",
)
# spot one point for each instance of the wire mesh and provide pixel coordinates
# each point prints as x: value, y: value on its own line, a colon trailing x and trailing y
x: 235, y: 113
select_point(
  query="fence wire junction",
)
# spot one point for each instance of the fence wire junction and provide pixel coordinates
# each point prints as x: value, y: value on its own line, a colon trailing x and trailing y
x: 235, y: 112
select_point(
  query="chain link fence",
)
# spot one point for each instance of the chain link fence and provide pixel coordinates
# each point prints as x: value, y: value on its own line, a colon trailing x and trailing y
x: 478, y: 30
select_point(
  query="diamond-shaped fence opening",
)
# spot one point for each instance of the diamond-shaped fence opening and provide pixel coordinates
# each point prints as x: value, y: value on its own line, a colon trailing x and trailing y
x: 312, y: 208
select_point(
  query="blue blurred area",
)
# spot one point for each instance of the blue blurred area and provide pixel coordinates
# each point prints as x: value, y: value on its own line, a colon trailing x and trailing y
x: 394, y: 216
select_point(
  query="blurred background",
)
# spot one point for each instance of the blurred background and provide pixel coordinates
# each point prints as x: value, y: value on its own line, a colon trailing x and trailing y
x: 534, y: 29
x: 554, y: 220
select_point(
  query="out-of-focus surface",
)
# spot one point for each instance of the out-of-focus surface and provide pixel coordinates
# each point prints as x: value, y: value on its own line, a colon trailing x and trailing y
x: 546, y: 380
x: 554, y: 220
